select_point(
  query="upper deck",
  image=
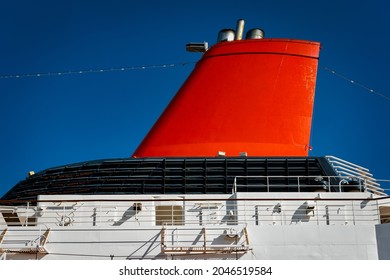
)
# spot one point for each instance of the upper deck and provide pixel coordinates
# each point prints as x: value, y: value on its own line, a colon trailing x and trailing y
x: 217, y: 175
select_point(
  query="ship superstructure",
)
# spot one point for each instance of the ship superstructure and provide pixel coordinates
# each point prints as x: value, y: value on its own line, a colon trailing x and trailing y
x: 223, y: 174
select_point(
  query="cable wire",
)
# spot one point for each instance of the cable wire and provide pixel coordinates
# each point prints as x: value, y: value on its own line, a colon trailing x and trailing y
x: 355, y: 83
x: 168, y: 65
x: 88, y: 71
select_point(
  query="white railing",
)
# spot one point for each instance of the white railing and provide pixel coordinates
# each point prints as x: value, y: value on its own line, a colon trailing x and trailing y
x: 202, y: 240
x: 24, y: 239
x: 222, y: 211
x: 306, y: 184
x: 346, y: 168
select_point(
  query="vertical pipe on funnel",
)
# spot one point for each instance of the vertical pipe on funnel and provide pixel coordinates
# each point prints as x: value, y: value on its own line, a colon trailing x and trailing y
x: 239, y: 29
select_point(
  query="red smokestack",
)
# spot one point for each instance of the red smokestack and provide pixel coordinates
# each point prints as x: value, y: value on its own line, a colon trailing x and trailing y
x: 253, y: 96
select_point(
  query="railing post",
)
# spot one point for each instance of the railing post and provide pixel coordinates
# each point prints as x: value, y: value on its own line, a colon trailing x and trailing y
x: 163, y: 239
x: 299, y: 186
x: 204, y: 239
x: 267, y: 184
x: 244, y: 212
x: 63, y: 216
x: 28, y: 206
x: 282, y: 220
x: 39, y: 236
x: 256, y: 215
x: 378, y: 212
x: 100, y: 213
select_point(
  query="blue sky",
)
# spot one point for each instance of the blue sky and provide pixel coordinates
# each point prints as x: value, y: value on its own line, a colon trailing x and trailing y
x: 55, y: 120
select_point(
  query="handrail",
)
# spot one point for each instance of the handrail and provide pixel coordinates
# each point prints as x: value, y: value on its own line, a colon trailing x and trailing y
x: 183, y: 199
x: 334, y: 159
x: 365, y: 184
x: 320, y: 179
x: 353, y: 172
x: 219, y: 210
x: 343, y: 167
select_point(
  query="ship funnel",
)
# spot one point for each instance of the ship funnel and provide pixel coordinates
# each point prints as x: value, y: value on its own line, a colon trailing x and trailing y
x: 255, y: 96
x: 239, y: 29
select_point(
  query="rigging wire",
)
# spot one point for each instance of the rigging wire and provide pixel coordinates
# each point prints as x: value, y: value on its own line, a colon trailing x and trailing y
x: 88, y: 71
x: 167, y: 65
x: 354, y: 82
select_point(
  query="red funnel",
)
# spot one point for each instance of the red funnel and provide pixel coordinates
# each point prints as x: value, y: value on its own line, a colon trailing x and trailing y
x: 253, y: 96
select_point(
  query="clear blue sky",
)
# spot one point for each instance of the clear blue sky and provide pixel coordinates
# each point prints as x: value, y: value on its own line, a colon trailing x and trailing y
x: 56, y: 120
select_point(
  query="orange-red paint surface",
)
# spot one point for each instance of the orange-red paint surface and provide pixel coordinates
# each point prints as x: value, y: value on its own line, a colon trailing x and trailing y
x: 253, y: 96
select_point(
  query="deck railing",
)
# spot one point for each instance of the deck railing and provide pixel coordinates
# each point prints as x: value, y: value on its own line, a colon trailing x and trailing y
x: 346, y: 168
x: 348, y: 183
x: 222, y: 210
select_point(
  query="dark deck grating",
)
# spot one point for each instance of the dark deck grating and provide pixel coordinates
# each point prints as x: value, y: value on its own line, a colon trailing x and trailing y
x: 169, y: 176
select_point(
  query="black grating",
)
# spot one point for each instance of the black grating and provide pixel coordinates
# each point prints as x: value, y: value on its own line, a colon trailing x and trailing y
x: 172, y: 176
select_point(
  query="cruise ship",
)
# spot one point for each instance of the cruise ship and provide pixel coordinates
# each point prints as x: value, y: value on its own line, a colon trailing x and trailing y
x: 224, y: 173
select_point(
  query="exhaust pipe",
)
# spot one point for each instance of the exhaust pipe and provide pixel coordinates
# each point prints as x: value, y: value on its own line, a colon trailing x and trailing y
x: 239, y: 29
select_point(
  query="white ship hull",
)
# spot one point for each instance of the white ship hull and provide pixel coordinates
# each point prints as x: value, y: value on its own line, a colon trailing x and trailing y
x: 243, y: 226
